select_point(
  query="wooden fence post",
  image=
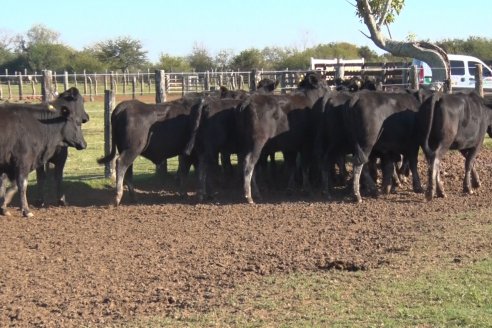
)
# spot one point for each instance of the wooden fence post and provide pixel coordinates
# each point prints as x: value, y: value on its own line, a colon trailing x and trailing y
x: 10, y: 89
x: 134, y: 87
x: 252, y: 80
x: 160, y: 97
x: 479, y: 79
x: 283, y: 83
x: 206, y: 81
x: 21, y: 95
x: 65, y: 81
x: 95, y: 84
x: 55, y: 82
x: 141, y: 84
x: 46, y: 88
x: 91, y: 94
x: 414, y: 78
x: 85, y: 83
x: 109, y: 101
x: 160, y: 86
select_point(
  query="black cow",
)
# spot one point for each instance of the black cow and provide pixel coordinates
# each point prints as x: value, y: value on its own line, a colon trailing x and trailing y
x: 269, y: 123
x: 332, y: 141
x: 30, y: 135
x: 216, y: 135
x: 154, y: 131
x: 384, y: 124
x: 453, y: 121
x: 58, y: 161
x: 265, y: 85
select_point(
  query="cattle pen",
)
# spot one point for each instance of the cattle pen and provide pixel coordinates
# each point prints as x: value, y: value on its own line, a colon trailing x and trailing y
x: 293, y: 260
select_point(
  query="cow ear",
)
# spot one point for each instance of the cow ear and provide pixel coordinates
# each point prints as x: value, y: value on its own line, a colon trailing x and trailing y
x: 70, y: 94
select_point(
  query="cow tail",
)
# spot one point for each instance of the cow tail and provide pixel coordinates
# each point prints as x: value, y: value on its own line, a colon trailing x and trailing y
x: 429, y: 120
x: 195, y: 126
x: 108, y: 158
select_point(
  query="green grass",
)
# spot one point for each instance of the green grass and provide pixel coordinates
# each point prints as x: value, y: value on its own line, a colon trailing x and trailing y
x: 434, y: 298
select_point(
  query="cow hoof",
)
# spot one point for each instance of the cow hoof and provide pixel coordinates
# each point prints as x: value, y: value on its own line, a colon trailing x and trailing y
x: 429, y: 196
x: 5, y: 212
x: 357, y: 199
x: 250, y: 200
x: 62, y: 202
x: 418, y: 190
x: 27, y: 214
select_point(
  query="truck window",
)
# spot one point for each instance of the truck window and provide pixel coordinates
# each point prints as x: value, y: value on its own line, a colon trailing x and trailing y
x: 457, y: 67
x: 471, y: 69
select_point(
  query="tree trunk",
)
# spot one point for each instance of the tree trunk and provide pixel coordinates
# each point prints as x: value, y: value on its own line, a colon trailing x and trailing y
x: 430, y: 53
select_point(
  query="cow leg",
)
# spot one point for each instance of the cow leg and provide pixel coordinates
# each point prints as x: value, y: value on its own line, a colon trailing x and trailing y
x: 388, y: 168
x: 250, y: 161
x: 290, y: 163
x: 439, y: 183
x: 6, y: 195
x: 431, y: 177
x: 475, y: 178
x: 470, y: 172
x: 128, y: 181
x: 413, y: 166
x: 225, y: 160
x: 22, y: 186
x: 356, y: 182
x: 326, y: 175
x: 41, y: 181
x: 184, y: 165
x: 59, y: 166
x: 123, y: 162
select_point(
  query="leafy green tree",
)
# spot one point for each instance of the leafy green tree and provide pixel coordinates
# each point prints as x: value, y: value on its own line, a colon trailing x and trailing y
x: 85, y: 60
x: 473, y: 46
x: 41, y: 56
x: 368, y: 54
x: 200, y: 59
x: 275, y: 57
x: 223, y: 59
x: 173, y: 64
x: 247, y: 60
x: 122, y: 53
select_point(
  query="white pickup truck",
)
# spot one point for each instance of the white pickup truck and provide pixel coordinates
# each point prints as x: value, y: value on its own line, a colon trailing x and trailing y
x: 462, y: 72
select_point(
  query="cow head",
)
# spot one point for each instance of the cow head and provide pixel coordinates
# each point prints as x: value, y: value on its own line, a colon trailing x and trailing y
x: 312, y: 80
x: 71, y: 106
x: 267, y: 85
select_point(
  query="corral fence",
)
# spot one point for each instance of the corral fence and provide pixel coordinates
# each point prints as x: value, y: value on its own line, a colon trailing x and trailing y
x: 26, y: 86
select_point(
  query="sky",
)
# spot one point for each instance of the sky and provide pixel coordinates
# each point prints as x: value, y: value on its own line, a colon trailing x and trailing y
x: 175, y: 27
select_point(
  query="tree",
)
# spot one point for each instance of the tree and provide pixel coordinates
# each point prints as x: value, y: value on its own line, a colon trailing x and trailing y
x: 122, y: 53
x: 223, y: 59
x: 247, y: 60
x: 41, y: 56
x: 173, y: 64
x: 200, y: 60
x: 378, y: 13
x: 85, y: 60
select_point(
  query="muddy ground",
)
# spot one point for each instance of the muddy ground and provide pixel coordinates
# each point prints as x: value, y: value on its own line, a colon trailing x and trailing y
x: 90, y: 264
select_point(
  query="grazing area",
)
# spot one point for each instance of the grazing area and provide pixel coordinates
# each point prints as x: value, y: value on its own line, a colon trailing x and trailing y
x: 289, y: 260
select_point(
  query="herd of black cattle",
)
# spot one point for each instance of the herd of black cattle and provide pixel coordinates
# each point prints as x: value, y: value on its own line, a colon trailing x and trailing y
x: 315, y: 127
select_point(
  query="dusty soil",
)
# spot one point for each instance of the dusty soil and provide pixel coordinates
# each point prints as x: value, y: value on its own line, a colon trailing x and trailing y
x: 92, y: 264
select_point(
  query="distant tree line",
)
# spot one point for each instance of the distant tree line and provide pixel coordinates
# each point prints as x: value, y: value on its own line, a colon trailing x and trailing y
x: 40, y: 48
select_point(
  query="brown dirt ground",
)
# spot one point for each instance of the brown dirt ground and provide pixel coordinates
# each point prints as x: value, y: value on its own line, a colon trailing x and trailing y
x: 92, y: 264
